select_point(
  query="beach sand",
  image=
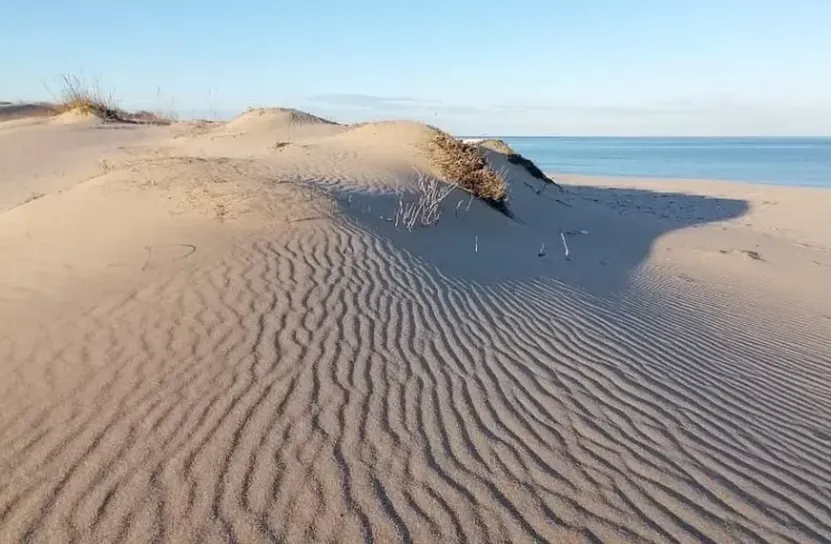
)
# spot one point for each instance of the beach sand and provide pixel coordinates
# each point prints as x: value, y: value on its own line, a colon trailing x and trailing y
x: 216, y: 332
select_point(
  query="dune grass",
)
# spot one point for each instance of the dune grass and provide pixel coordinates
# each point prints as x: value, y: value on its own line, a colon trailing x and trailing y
x: 75, y: 94
x: 531, y: 168
x: 513, y: 157
x: 465, y: 165
x: 494, y: 144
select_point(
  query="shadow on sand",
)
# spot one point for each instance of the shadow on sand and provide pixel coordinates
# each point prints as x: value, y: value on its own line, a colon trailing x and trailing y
x: 610, y: 233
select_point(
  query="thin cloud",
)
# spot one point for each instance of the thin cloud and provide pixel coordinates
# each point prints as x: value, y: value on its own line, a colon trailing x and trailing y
x: 389, y: 104
x: 721, y: 114
x: 365, y: 100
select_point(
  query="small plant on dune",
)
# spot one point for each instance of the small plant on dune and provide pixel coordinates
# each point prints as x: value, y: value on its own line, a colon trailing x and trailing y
x: 426, y: 210
x: 146, y: 117
x: 465, y: 165
x: 163, y: 114
x: 494, y: 144
x: 76, y: 94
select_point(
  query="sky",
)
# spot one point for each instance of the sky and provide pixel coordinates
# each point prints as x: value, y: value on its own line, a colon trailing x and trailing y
x: 525, y: 67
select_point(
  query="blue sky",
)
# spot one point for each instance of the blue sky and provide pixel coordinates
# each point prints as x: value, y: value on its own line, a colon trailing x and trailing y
x: 574, y: 67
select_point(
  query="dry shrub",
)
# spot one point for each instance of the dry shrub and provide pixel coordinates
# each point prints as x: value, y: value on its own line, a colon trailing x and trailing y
x: 465, y: 165
x: 426, y: 211
x: 148, y: 117
x: 77, y: 95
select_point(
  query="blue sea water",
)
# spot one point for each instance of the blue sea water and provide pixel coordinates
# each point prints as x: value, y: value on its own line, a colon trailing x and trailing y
x: 780, y: 161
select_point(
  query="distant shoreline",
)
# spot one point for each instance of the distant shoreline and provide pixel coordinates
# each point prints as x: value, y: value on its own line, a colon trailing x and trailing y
x: 768, y: 161
x: 781, y: 161
x: 570, y: 177
x: 587, y: 137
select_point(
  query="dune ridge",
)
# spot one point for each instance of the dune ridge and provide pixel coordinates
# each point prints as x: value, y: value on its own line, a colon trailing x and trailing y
x: 300, y: 369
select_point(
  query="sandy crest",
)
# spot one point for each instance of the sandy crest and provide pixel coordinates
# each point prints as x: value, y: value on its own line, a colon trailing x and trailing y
x: 213, y: 338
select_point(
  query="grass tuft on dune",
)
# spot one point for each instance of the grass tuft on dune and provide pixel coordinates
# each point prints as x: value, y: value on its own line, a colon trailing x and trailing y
x: 77, y: 96
x: 494, y: 144
x: 500, y: 146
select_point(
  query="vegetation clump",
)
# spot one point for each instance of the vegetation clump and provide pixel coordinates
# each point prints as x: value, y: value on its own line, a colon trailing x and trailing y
x: 513, y: 157
x: 465, y: 165
x: 77, y: 96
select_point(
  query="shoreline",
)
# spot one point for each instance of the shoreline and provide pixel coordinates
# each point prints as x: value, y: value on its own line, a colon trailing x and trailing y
x: 779, y: 211
x: 615, y: 180
x: 780, y: 161
x: 770, y: 240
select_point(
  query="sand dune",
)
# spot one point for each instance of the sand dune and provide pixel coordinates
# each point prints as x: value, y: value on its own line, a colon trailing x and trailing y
x: 210, y: 338
x: 24, y: 110
x: 279, y: 125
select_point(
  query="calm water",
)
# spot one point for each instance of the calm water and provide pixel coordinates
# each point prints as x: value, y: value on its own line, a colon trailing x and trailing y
x: 781, y: 161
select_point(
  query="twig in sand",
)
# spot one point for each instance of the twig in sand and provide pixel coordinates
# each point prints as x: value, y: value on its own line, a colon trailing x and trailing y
x: 541, y: 252
x: 476, y: 243
x: 409, y: 214
x: 399, y: 212
x: 433, y: 193
x: 467, y: 206
x: 310, y: 218
x: 565, y: 245
x: 427, y: 209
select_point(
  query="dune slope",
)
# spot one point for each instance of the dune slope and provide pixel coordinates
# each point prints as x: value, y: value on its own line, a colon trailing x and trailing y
x: 216, y: 340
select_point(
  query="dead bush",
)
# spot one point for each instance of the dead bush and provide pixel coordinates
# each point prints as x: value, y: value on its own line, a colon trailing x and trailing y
x: 465, y: 165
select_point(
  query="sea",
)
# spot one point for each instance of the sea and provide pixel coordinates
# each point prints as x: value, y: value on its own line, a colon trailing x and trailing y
x: 778, y: 161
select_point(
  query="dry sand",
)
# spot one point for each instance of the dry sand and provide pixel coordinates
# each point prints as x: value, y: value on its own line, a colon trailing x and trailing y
x: 215, y: 333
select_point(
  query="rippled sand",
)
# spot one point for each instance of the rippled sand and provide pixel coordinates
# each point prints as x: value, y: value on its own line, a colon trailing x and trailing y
x: 216, y: 333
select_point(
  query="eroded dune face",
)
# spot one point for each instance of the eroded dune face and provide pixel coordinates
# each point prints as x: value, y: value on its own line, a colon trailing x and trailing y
x: 208, y: 337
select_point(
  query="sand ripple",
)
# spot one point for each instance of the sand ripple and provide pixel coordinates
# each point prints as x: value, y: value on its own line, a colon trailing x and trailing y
x: 326, y: 386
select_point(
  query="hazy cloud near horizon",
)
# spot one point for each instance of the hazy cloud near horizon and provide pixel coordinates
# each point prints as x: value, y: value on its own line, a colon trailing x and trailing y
x: 720, y: 115
x: 605, y: 67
